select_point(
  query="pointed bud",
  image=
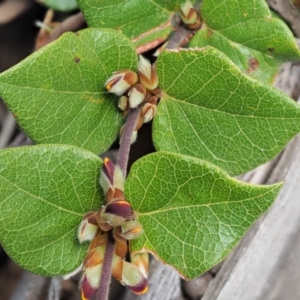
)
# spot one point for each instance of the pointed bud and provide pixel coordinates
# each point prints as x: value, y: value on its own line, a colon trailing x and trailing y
x: 106, y: 176
x: 129, y: 275
x: 87, y: 291
x: 115, y: 213
x: 119, y: 179
x: 86, y: 231
x: 119, y: 208
x: 131, y: 230
x: 189, y: 16
x: 92, y: 272
x: 111, y: 177
x: 136, y: 95
x: 141, y: 261
x: 121, y: 81
x: 147, y: 74
x: 123, y: 103
x: 148, y: 112
x: 133, y: 279
x: 117, y: 267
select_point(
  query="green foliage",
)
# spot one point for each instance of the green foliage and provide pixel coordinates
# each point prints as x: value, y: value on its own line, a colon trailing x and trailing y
x: 248, y: 34
x: 45, y: 191
x: 133, y: 19
x: 211, y: 115
x: 57, y: 94
x: 193, y: 214
x: 211, y: 111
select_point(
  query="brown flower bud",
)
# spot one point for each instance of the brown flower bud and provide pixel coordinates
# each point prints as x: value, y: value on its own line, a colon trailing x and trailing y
x: 86, y: 231
x: 123, y: 103
x: 148, y: 112
x: 129, y: 275
x: 111, y: 177
x: 114, y: 213
x: 121, y: 81
x: 141, y: 261
x: 147, y: 74
x: 190, y: 16
x: 92, y: 272
x: 119, y: 208
x: 136, y: 95
x: 133, y: 279
x: 131, y: 230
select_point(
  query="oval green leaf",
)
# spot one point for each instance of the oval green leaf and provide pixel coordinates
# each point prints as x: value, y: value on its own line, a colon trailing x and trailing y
x: 248, y: 34
x: 45, y: 192
x: 250, y: 23
x: 57, y: 94
x: 192, y: 213
x: 210, y: 110
x: 137, y: 19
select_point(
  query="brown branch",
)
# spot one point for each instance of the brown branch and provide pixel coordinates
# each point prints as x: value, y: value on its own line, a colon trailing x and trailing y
x: 289, y: 12
x: 73, y: 23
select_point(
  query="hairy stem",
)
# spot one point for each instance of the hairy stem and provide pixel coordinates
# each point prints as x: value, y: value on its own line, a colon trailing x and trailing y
x: 103, y: 290
x: 125, y: 143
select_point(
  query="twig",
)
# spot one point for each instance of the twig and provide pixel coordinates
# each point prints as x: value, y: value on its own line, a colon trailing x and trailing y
x: 288, y: 11
x: 180, y: 38
x: 125, y: 144
x: 103, y: 289
x: 54, y: 289
x: 73, y: 23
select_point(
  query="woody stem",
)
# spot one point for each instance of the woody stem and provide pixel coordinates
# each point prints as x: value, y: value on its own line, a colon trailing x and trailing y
x: 103, y: 290
x: 125, y: 143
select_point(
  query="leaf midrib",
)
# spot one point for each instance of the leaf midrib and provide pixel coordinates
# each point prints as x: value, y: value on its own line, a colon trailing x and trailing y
x: 208, y: 205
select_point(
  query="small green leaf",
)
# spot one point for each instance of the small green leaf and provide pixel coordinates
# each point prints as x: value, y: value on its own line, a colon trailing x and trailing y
x: 258, y: 65
x: 60, y: 5
x: 250, y: 23
x: 210, y: 110
x: 192, y: 213
x: 57, y: 94
x: 45, y: 191
x: 248, y: 34
x: 133, y: 18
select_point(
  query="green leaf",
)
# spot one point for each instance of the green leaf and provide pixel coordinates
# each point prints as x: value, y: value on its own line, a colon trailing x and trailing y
x: 133, y: 18
x: 60, y: 5
x: 57, y: 94
x: 192, y: 213
x: 45, y: 191
x: 211, y: 111
x: 248, y: 34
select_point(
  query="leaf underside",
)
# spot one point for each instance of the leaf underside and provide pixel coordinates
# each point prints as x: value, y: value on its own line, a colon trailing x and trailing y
x: 45, y: 192
x: 192, y: 213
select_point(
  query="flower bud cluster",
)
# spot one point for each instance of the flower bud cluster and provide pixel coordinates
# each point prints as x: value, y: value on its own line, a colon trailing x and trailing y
x: 136, y: 89
x: 190, y: 16
x: 118, y: 216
